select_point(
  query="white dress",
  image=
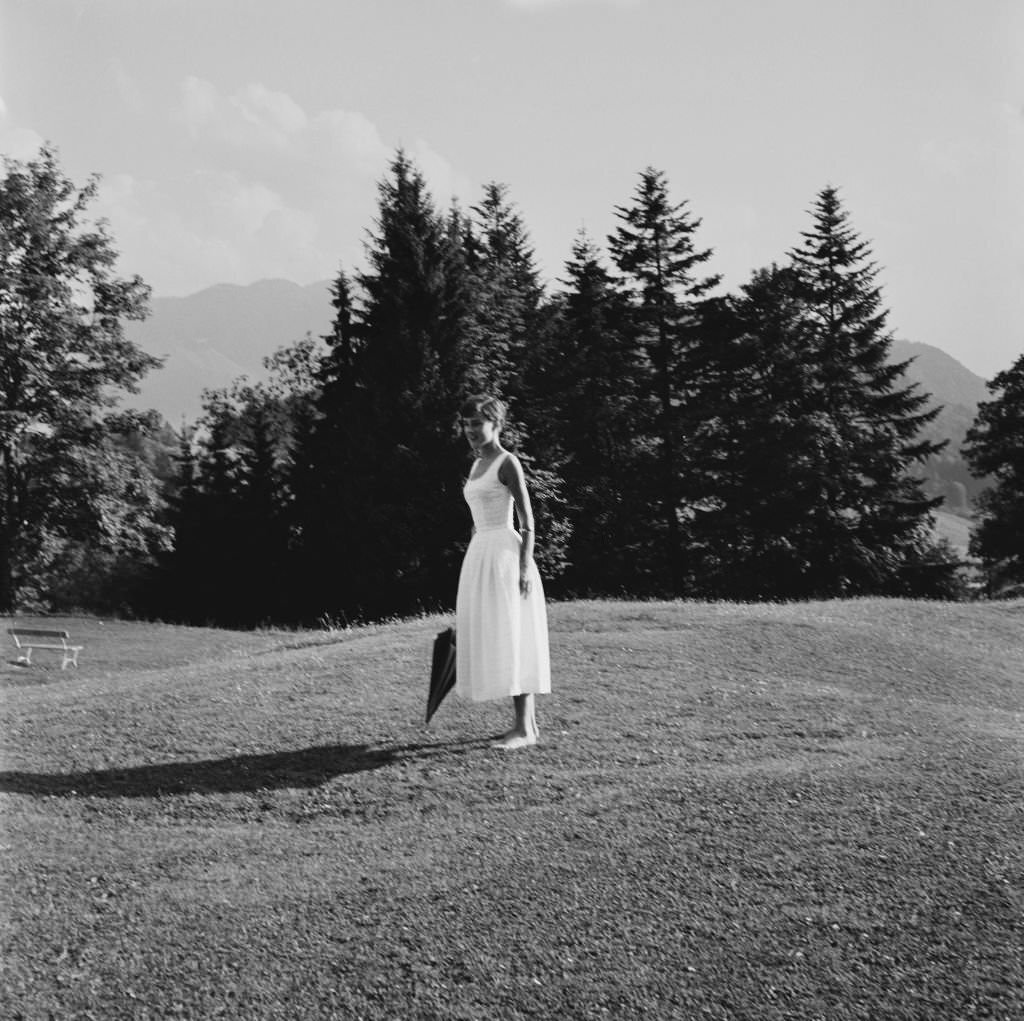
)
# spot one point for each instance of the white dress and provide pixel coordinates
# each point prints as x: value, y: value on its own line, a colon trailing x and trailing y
x: 501, y: 644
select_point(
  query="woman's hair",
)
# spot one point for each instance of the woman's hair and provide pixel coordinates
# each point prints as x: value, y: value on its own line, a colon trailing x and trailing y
x: 485, y: 406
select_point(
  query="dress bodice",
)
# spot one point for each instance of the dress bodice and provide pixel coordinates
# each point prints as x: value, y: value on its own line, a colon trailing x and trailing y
x: 490, y: 501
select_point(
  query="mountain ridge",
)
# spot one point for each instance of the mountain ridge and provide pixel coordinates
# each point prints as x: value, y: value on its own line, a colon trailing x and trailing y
x: 212, y: 337
x: 223, y: 332
x: 243, y: 323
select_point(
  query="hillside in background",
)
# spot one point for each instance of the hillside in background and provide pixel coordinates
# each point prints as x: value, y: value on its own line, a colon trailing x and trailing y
x: 213, y: 337
x: 959, y: 392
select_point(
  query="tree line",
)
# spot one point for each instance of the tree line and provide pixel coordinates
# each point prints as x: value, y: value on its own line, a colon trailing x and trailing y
x: 679, y: 442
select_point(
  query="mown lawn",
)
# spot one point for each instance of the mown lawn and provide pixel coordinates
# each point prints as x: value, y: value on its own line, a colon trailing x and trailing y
x: 758, y: 812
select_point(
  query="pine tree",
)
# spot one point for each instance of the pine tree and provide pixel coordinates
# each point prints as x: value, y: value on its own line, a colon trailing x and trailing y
x: 750, y: 447
x: 655, y: 250
x: 234, y: 560
x: 505, y: 346
x: 219, y: 555
x: 506, y: 296
x: 995, y: 449
x: 870, y: 527
x: 180, y: 567
x: 324, y: 458
x: 590, y: 393
x: 262, y: 528
x: 390, y: 525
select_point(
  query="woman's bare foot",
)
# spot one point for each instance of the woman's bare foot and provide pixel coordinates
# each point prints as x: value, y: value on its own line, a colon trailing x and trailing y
x: 516, y: 738
x: 524, y: 733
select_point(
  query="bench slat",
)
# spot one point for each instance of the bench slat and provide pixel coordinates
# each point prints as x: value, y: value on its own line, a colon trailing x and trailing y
x: 28, y: 638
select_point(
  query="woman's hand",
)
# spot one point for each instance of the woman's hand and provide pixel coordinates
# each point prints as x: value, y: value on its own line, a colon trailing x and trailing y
x: 524, y: 581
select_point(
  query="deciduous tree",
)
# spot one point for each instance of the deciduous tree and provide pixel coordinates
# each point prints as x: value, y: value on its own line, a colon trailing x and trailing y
x: 64, y: 363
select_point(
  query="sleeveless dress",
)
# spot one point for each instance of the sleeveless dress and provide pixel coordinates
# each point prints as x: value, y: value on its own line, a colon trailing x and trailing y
x: 501, y: 646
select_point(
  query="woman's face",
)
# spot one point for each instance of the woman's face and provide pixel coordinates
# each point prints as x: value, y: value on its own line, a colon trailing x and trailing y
x: 479, y: 431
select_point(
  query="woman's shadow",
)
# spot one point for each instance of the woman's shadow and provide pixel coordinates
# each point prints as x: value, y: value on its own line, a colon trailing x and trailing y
x: 307, y: 767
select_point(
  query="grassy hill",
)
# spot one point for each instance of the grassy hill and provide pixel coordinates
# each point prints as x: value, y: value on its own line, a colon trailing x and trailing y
x: 758, y: 812
x: 955, y: 530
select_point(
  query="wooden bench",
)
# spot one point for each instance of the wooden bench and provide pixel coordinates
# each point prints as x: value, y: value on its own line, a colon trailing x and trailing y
x: 28, y: 638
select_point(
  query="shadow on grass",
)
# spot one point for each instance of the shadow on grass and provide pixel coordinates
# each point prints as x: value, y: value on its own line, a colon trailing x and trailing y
x: 307, y: 767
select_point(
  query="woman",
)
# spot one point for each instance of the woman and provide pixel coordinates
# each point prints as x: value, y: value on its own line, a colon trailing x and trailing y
x: 501, y: 620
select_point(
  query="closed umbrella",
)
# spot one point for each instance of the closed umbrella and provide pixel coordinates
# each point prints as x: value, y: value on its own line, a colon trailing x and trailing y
x: 442, y: 670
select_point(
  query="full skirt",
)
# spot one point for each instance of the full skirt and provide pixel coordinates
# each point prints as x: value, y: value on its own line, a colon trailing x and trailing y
x: 501, y: 644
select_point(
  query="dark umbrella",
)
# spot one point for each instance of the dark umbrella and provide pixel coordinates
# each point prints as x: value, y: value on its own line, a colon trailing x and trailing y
x: 442, y: 670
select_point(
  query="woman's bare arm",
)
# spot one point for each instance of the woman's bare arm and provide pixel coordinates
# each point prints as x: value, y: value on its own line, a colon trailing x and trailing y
x: 510, y: 474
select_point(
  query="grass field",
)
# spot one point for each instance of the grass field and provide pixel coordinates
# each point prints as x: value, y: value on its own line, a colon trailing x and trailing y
x: 809, y: 811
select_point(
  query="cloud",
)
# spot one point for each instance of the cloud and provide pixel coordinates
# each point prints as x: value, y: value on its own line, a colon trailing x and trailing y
x: 127, y: 88
x: 261, y: 121
x: 270, y: 125
x: 273, y: 191
x: 17, y: 142
x: 299, y: 152
x: 212, y: 227
x: 253, y: 118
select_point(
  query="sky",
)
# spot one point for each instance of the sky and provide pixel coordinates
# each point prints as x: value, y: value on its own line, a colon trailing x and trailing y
x: 238, y: 140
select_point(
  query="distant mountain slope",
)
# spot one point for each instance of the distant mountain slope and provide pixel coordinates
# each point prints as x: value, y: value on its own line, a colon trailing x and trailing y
x: 959, y: 392
x: 941, y: 374
x: 213, y: 337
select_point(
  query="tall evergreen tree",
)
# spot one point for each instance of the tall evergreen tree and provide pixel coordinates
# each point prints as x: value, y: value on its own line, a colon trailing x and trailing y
x: 261, y: 528
x: 181, y: 567
x: 748, y: 489
x: 506, y: 296
x: 870, y: 528
x: 995, y: 449
x: 590, y: 396
x: 324, y: 461
x: 214, y: 595
x: 506, y: 347
x: 655, y: 249
x: 234, y: 560
x: 385, y: 434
